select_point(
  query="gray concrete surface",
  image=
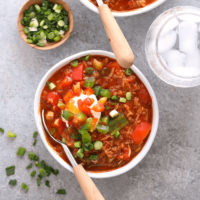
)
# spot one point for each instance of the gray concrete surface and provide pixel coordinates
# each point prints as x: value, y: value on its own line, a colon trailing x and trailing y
x: 170, y: 171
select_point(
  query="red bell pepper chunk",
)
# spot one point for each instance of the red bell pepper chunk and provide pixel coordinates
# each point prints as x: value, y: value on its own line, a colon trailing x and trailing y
x: 141, y: 132
x: 98, y: 107
x: 68, y: 96
x: 83, y: 107
x: 88, y: 91
x: 52, y: 98
x: 77, y: 73
x: 67, y: 81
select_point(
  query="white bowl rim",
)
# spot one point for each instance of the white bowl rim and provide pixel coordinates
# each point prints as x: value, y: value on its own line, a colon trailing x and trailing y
x: 138, y: 11
x: 39, y: 125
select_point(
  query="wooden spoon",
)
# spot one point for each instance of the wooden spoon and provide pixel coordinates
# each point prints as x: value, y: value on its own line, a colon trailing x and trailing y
x: 119, y: 44
x: 49, y: 45
x: 88, y: 187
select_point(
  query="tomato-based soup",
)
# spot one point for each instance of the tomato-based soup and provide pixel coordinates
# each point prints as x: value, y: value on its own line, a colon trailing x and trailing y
x: 100, y: 110
x: 125, y: 5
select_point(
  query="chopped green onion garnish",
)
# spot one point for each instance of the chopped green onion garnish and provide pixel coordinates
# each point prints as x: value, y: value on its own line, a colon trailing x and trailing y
x: 42, y: 172
x: 118, y: 123
x: 33, y: 156
x: 63, y: 140
x: 129, y: 96
x: 2, y: 130
x: 97, y: 90
x: 24, y: 187
x: 86, y: 137
x: 105, y: 93
x: 33, y: 173
x: 38, y: 181
x: 86, y: 58
x: 61, y: 23
x: 51, y: 85
x: 80, y: 153
x: 116, y: 134
x: 122, y: 100
x: 13, y: 182
x: 61, y: 191
x: 47, y: 183
x: 35, y: 134
x: 89, y: 70
x: 107, y: 107
x: 89, y: 82
x: 77, y: 144
x: 93, y: 157
x: 29, y: 166
x: 88, y: 147
x: 105, y: 120
x: 98, y: 145
x: 75, y: 136
x: 10, y: 170
x: 67, y: 115
x: 34, y: 142
x: 128, y: 72
x: 114, y: 98
x: 11, y: 134
x: 74, y: 63
x: 21, y: 151
x: 102, y: 129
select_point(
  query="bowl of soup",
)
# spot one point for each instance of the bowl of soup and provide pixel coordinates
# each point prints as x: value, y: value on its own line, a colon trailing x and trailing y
x: 125, y: 8
x: 107, y: 115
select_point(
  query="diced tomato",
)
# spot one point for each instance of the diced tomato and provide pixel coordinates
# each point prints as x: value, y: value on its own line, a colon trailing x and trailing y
x: 141, y: 132
x: 144, y: 96
x: 114, y: 64
x: 77, y: 89
x: 103, y: 100
x: 68, y: 96
x: 52, y: 98
x: 88, y: 91
x: 67, y: 81
x: 98, y: 107
x: 77, y: 73
x: 88, y: 101
x: 83, y: 107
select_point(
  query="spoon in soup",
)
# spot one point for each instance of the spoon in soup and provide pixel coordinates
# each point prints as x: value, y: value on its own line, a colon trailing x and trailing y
x: 118, y: 42
x: 88, y: 187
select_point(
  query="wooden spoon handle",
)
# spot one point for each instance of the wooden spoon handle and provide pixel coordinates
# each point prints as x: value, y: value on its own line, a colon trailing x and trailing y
x: 87, y: 185
x: 119, y: 44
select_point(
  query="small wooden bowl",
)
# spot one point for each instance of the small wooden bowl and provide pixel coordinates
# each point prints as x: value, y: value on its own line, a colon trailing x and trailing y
x: 49, y: 45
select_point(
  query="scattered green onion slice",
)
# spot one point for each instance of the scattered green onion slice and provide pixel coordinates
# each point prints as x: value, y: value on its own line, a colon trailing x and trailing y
x: 61, y: 191
x: 77, y: 144
x: 33, y: 156
x: 47, y: 183
x: 93, y: 157
x: 21, y: 151
x: 13, y: 182
x: 105, y: 120
x: 52, y: 131
x: 67, y: 114
x: 11, y: 134
x: 98, y: 145
x: 74, y: 63
x: 86, y: 58
x: 38, y: 180
x: 114, y: 98
x: 128, y: 96
x: 24, y: 187
x: 102, y: 129
x: 128, y: 72
x: 89, y: 70
x: 63, y: 140
x: 105, y: 93
x: 33, y: 173
x: 97, y: 90
x: 89, y: 82
x: 10, y: 170
x: 35, y: 134
x: 51, y: 85
x: 42, y: 172
x: 122, y: 100
x: 80, y: 153
x: 2, y: 130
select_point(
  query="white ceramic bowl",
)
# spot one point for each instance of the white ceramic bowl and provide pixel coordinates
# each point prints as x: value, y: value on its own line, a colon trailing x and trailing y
x: 37, y: 114
x: 138, y: 11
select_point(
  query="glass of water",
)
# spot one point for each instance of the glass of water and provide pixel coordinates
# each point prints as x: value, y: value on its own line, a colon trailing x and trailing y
x: 173, y: 46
